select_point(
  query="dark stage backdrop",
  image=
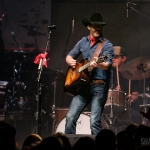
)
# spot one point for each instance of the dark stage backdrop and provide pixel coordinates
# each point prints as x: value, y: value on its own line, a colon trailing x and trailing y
x: 130, y: 32
x: 29, y: 20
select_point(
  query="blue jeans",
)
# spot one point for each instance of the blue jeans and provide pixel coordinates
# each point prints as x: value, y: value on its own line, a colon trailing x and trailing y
x: 97, y: 95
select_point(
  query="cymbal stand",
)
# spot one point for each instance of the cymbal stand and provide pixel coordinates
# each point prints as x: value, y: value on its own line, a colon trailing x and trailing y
x: 111, y: 117
x: 127, y: 107
x: 141, y: 67
x: 53, y: 106
x: 14, y: 77
x: 39, y: 95
x: 15, y: 73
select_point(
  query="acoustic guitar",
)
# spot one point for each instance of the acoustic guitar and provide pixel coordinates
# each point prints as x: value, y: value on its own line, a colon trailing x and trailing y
x: 79, y: 76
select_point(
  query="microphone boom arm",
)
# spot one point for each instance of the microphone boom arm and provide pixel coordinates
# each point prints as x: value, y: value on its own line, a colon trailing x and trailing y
x: 129, y: 7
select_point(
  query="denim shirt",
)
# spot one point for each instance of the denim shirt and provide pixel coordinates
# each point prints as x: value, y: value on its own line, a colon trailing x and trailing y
x: 83, y: 47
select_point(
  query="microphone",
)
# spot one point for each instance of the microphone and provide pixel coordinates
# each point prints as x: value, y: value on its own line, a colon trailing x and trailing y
x: 14, y: 37
x: 72, y: 24
x: 52, y: 27
x: 127, y: 8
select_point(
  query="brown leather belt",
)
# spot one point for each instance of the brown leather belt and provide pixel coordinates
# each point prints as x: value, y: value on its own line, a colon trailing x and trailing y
x: 96, y: 82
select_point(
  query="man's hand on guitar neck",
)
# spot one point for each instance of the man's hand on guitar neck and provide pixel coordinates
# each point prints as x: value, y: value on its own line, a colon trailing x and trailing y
x: 94, y: 64
x: 70, y: 61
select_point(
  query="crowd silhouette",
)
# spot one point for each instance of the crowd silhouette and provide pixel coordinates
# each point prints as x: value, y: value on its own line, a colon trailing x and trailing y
x: 133, y: 137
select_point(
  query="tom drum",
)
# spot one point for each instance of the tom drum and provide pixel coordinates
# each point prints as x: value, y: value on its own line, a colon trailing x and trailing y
x: 116, y: 99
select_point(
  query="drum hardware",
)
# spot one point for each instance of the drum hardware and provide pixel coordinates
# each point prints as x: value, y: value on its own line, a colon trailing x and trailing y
x: 138, y: 69
x: 115, y: 103
x: 144, y: 107
x: 53, y: 106
x: 135, y: 68
x: 16, y: 100
x: 110, y: 113
x: 53, y: 115
x: 87, y: 113
x: 146, y: 114
x: 127, y: 107
x: 3, y: 95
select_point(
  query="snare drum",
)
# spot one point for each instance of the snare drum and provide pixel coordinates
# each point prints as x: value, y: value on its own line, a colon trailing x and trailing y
x: 82, y: 126
x: 118, y: 101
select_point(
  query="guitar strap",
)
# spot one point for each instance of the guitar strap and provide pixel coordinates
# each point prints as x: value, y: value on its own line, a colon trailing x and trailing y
x: 98, y: 49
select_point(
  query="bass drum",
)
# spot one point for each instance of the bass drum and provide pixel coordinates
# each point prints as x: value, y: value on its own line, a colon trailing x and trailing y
x: 83, y: 125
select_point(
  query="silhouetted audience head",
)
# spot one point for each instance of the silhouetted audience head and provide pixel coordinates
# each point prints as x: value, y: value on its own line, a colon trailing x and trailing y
x: 142, y: 135
x: 50, y: 142
x: 30, y: 140
x: 124, y: 141
x: 143, y: 147
x: 84, y: 143
x: 131, y: 128
x: 63, y: 139
x: 35, y: 146
x: 7, y: 135
x: 105, y: 139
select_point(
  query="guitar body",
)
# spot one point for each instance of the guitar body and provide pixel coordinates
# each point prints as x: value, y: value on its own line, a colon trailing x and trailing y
x: 75, y: 80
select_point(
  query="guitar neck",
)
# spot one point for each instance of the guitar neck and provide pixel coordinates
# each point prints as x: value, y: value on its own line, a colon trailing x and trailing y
x: 84, y: 67
x: 99, y: 60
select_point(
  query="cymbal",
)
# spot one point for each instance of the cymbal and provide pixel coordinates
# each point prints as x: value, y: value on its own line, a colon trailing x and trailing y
x: 136, y: 68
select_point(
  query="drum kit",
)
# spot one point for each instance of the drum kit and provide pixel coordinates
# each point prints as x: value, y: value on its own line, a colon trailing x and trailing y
x: 117, y: 101
x: 13, y: 83
x: 19, y: 81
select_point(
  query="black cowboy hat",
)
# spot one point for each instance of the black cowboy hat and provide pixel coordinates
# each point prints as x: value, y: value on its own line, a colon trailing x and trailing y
x: 96, y: 18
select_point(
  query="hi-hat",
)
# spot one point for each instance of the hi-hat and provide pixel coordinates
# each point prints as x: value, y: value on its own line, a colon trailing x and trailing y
x: 137, y: 68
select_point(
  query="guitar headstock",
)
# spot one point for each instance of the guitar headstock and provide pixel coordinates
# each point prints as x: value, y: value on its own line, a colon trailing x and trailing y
x: 102, y: 59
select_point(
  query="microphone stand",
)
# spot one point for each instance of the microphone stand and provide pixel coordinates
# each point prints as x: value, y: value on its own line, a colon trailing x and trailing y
x: 39, y: 95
